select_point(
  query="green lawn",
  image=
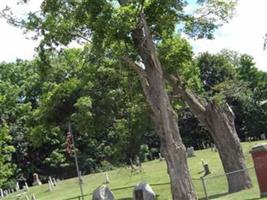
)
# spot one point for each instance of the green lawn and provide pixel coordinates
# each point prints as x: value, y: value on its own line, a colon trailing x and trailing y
x: 122, y: 181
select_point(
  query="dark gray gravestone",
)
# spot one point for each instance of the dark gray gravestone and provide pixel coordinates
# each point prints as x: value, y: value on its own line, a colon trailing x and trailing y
x: 103, y: 193
x: 143, y: 191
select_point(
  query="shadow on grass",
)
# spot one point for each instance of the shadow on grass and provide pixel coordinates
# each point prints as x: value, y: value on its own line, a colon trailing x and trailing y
x: 127, y: 198
x: 132, y: 186
x: 215, y: 196
x: 76, y: 198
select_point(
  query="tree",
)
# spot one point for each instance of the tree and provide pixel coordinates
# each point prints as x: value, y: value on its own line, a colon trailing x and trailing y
x: 130, y: 34
x: 212, y: 112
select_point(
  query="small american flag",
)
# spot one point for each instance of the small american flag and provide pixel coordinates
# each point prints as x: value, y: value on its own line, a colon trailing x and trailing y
x: 69, y: 142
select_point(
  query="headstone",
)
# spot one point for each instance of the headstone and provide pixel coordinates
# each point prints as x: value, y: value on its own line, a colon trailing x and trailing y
x: 203, y: 145
x: 212, y: 147
x: 51, y: 181
x: 26, y: 187
x: 36, y: 180
x: 206, y: 167
x: 143, y: 191
x: 17, y: 186
x: 50, y: 185
x: 190, y: 152
x: 263, y: 137
x: 160, y: 157
x: 33, y: 197
x: 54, y: 181
x: 208, y: 145
x: 103, y: 193
x: 1, y: 193
x: 107, y: 181
x: 138, y: 164
x: 12, y: 190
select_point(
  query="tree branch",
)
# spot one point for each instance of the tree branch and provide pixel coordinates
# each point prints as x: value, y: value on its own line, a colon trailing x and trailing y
x: 178, y: 89
x: 138, y: 69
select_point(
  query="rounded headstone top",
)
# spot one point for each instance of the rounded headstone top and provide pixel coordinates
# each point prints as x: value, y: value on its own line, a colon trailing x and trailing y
x: 259, y: 147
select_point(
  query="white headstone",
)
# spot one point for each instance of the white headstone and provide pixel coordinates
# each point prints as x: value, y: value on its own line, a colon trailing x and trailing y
x: 107, y: 181
x: 160, y: 157
x: 26, y: 186
x: 51, y: 181
x: 27, y: 198
x: 17, y: 186
x: 263, y: 137
x: 103, y: 193
x: 50, y: 185
x: 143, y: 191
x: 190, y: 152
x: 36, y: 180
x: 1, y: 193
x: 33, y: 197
x: 54, y: 181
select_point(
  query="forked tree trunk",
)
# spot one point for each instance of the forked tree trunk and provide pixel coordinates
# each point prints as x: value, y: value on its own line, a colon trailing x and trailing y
x: 164, y: 116
x: 219, y: 121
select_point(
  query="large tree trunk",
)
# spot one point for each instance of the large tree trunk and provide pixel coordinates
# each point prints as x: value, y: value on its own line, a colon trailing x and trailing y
x: 219, y: 120
x: 220, y: 123
x: 164, y: 116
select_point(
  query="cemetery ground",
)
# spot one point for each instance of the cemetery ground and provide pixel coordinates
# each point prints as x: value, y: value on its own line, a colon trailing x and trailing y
x: 154, y: 173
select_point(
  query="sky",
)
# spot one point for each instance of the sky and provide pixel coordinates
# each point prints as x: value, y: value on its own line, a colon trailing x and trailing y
x: 244, y: 34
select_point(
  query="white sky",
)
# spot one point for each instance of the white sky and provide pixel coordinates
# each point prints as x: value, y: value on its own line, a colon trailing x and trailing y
x: 244, y: 33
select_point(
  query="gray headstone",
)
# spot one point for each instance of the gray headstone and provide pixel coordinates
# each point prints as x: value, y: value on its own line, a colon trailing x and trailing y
x: 17, y: 186
x: 1, y: 193
x: 143, y: 191
x: 263, y: 137
x: 103, y: 193
x: 190, y: 152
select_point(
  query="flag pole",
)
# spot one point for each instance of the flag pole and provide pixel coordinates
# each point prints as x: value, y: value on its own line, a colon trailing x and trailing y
x: 76, y: 163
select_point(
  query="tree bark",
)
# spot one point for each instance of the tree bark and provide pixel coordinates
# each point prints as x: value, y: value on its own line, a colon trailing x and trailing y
x: 219, y: 121
x: 164, y: 116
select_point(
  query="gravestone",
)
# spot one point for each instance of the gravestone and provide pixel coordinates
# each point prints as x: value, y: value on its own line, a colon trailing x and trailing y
x: 103, y: 193
x: 203, y: 145
x: 33, y: 197
x: 17, y: 186
x: 36, y: 180
x: 160, y: 157
x: 263, y: 137
x: 54, y: 182
x: 26, y: 187
x: 51, y: 181
x: 190, y: 152
x: 1, y: 193
x: 107, y: 181
x: 143, y: 191
x: 206, y: 167
x: 50, y: 185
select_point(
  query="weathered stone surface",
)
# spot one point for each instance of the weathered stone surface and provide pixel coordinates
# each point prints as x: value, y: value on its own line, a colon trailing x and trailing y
x: 103, y: 193
x: 143, y: 191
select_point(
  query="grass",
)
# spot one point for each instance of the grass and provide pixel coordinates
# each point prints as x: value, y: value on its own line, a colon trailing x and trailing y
x: 155, y: 173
